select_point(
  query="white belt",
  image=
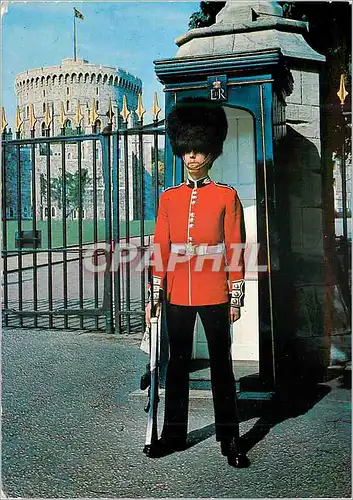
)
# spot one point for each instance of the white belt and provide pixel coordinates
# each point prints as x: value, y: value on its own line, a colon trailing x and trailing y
x: 190, y: 249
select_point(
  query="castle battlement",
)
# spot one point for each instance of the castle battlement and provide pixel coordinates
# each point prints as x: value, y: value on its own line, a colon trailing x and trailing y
x: 79, y: 71
x: 76, y: 83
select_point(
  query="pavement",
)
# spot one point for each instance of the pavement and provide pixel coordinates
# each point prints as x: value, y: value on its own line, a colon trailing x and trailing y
x: 74, y: 427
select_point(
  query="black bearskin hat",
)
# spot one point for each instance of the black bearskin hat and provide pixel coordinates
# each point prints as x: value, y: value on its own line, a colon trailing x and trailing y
x: 197, y: 125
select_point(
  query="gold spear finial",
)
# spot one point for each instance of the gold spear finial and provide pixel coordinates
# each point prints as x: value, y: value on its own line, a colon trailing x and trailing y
x: 93, y: 113
x: 140, y: 111
x: 18, y: 121
x: 125, y: 112
x: 110, y: 113
x: 78, y: 115
x: 32, y: 118
x: 47, y: 117
x: 4, y: 123
x: 342, y: 93
x: 62, y: 116
x: 155, y: 108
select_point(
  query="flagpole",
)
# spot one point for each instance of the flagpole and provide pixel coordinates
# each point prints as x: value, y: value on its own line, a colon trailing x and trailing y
x: 75, y: 37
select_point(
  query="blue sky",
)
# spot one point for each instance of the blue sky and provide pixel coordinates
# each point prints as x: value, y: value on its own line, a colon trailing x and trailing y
x: 126, y: 34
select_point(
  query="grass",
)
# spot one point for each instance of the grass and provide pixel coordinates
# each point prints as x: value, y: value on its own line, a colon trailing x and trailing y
x: 72, y: 227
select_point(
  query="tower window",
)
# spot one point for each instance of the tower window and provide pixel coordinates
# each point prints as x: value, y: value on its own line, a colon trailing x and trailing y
x: 43, y: 93
x: 68, y: 90
x: 97, y: 107
x: 43, y: 107
x: 27, y: 111
x: 68, y: 127
x: 67, y: 105
x: 97, y: 91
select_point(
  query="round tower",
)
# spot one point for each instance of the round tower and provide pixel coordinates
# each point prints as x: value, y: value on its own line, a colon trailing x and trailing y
x: 60, y: 89
x: 58, y: 95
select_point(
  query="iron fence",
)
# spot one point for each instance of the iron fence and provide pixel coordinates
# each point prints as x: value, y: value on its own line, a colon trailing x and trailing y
x: 78, y: 212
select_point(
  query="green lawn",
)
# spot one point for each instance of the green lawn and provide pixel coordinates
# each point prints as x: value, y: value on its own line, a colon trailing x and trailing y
x: 72, y: 231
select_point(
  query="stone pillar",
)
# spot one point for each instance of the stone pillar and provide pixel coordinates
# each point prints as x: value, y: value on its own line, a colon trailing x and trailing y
x: 306, y: 317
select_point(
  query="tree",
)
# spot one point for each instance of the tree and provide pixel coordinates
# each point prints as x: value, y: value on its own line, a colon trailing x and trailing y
x: 11, y: 159
x: 72, y: 190
x: 206, y: 15
x: 161, y: 167
x: 42, y: 188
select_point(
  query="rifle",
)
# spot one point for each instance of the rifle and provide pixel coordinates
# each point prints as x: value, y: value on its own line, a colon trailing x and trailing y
x: 152, y: 379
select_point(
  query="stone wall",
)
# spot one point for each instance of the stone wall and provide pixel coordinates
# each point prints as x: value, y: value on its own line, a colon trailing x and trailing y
x: 71, y: 162
x: 303, y: 120
x: 304, y: 315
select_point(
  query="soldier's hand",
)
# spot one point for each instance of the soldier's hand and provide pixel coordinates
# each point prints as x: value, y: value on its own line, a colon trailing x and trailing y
x: 148, y: 312
x: 234, y: 314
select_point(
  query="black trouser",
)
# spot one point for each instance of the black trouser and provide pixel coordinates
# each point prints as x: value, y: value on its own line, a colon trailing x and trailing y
x: 180, y: 324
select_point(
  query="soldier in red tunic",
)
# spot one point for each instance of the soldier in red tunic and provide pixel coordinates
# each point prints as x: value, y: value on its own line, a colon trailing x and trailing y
x: 198, y: 247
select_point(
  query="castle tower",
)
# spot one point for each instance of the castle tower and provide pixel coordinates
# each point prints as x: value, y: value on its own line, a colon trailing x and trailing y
x: 71, y: 83
x: 60, y: 91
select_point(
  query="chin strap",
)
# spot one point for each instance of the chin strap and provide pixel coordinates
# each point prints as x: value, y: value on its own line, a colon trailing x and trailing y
x: 210, y: 158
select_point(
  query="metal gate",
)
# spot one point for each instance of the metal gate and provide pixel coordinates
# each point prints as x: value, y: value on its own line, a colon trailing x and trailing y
x: 78, y: 211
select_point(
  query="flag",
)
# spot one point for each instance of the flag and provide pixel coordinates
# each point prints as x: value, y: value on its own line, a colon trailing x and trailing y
x: 78, y: 14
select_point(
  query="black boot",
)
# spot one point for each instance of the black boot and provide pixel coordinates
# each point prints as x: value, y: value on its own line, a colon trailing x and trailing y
x: 231, y: 448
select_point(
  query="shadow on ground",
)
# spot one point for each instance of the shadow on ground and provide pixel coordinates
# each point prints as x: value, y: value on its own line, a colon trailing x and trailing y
x: 294, y: 403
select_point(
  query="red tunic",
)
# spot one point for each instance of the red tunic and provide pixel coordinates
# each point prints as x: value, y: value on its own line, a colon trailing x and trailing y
x: 200, y: 213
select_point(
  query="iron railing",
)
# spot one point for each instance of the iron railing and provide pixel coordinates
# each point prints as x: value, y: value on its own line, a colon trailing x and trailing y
x: 73, y: 209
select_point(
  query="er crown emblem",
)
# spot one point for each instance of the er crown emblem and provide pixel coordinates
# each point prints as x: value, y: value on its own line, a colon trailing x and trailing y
x: 217, y: 91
